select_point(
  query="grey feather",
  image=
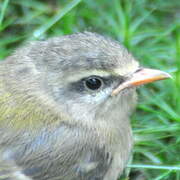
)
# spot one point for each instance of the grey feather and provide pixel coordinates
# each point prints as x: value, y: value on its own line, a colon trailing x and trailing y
x: 50, y: 130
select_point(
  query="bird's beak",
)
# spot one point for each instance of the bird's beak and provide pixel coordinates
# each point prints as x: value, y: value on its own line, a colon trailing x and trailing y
x: 140, y: 77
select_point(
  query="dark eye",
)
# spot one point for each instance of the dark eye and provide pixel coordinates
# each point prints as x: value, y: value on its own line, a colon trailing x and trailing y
x: 93, y: 83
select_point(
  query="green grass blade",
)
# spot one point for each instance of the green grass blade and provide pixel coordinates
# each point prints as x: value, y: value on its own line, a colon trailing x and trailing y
x: 3, y: 10
x: 164, y: 175
x: 143, y: 166
x: 62, y: 12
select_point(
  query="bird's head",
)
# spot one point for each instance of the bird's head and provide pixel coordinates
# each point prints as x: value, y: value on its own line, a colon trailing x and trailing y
x: 87, y: 76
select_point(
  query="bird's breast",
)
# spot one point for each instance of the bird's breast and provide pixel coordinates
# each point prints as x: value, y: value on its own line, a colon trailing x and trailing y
x: 67, y: 152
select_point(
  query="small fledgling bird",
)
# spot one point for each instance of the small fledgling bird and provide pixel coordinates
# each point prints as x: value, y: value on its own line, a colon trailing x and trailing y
x: 64, y: 108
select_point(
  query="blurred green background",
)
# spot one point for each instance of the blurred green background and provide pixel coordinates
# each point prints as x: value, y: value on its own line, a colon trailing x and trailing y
x: 150, y: 29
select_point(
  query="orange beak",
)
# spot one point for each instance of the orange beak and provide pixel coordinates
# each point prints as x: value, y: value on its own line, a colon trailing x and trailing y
x: 140, y: 77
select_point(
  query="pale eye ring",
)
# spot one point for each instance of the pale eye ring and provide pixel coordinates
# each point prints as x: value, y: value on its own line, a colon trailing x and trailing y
x: 93, y: 83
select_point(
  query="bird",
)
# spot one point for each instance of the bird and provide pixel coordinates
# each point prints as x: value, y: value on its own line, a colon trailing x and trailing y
x: 65, y: 107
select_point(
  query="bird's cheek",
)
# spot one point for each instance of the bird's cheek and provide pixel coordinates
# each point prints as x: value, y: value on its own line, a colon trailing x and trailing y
x: 131, y: 100
x: 127, y: 100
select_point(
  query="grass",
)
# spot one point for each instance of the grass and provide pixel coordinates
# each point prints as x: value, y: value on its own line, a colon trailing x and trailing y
x: 150, y: 30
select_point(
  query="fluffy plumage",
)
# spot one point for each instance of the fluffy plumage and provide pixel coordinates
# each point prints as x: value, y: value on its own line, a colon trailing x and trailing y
x: 51, y: 126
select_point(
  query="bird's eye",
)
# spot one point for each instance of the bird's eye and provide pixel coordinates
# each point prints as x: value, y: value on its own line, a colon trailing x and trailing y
x: 93, y: 83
